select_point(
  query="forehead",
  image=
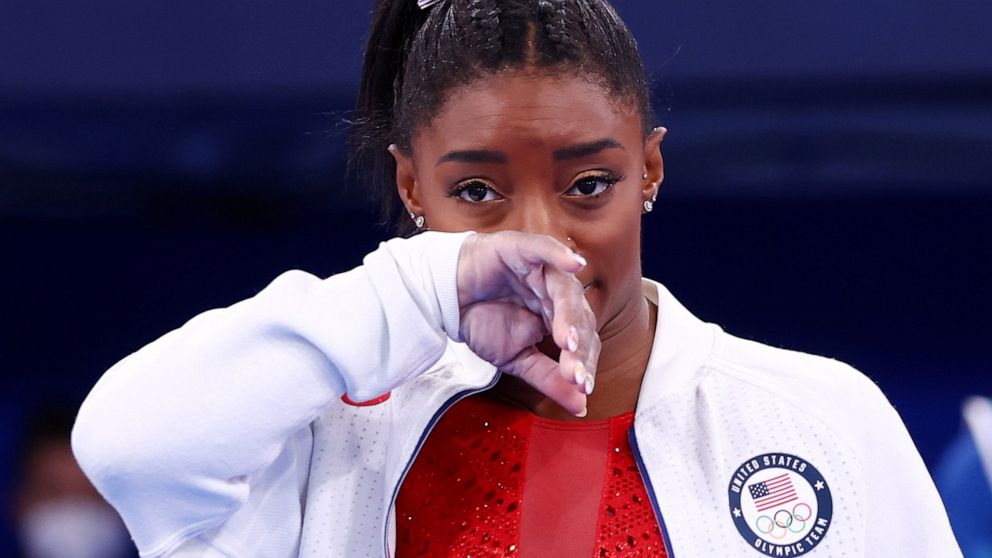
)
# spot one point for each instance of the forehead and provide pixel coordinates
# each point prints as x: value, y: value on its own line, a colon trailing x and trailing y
x: 523, y: 107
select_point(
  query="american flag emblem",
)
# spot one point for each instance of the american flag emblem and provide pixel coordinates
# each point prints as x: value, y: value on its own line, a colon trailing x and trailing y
x: 773, y: 492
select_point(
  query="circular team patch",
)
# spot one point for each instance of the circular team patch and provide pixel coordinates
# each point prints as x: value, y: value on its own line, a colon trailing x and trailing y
x: 781, y: 504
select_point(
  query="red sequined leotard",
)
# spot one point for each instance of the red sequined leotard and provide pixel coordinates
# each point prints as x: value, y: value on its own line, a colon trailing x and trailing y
x: 495, y: 480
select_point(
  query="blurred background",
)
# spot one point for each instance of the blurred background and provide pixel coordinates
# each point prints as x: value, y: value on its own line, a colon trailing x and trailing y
x: 828, y: 189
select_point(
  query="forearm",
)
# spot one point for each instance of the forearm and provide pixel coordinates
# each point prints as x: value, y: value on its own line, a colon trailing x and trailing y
x: 192, y: 416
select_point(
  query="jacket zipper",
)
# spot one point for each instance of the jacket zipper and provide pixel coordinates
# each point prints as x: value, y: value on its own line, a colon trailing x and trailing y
x: 651, y: 494
x: 420, y: 443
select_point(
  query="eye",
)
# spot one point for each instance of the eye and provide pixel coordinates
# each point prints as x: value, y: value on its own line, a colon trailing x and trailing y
x: 592, y: 185
x: 474, y: 191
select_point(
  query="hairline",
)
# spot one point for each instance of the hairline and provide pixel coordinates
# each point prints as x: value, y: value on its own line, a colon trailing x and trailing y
x: 627, y: 102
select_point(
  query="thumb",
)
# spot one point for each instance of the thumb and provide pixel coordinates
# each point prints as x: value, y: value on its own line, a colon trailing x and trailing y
x: 541, y: 372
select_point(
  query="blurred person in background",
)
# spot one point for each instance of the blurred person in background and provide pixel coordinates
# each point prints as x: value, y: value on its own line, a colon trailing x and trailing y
x: 57, y: 511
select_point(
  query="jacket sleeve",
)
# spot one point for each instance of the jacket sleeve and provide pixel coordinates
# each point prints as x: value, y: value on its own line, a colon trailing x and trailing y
x: 173, y: 434
x: 905, y: 515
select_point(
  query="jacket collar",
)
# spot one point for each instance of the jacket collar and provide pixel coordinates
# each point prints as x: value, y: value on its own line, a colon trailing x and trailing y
x: 682, y: 343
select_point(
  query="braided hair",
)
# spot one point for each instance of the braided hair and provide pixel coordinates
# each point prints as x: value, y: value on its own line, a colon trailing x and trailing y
x: 415, y: 57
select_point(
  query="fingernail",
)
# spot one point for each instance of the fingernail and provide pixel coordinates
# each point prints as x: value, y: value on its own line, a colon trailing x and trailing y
x: 573, y: 339
x: 582, y: 261
x: 589, y: 384
x: 580, y: 373
x: 583, y: 413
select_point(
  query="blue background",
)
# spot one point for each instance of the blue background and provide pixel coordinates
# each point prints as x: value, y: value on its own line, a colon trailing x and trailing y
x: 829, y: 185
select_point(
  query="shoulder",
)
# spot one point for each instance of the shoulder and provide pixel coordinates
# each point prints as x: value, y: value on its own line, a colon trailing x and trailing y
x: 834, y: 392
x: 774, y: 367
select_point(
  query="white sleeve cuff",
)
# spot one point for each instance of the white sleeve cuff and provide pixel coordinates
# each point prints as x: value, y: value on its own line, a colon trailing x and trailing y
x: 443, y: 254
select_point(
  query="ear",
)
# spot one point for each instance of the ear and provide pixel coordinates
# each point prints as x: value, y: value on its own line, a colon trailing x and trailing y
x: 654, y: 164
x: 406, y: 183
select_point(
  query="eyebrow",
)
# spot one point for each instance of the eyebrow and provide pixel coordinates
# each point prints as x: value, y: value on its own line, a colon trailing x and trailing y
x: 473, y: 156
x: 490, y: 156
x: 586, y: 149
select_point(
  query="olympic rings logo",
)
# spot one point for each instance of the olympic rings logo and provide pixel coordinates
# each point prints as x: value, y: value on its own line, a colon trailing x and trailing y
x: 782, y: 522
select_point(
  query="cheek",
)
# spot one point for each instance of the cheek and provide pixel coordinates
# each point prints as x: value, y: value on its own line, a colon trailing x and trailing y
x: 442, y: 212
x: 613, y: 238
x: 613, y: 249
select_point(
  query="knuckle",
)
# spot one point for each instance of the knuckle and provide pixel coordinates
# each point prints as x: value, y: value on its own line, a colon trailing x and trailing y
x: 524, y: 371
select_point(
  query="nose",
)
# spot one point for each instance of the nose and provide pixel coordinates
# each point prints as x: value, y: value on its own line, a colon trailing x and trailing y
x: 540, y: 215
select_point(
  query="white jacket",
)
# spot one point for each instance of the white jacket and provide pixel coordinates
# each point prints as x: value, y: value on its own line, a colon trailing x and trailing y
x: 228, y: 436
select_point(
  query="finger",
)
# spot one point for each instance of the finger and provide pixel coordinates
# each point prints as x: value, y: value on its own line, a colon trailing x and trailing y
x: 573, y: 370
x: 573, y: 329
x: 586, y: 360
x: 530, y: 291
x: 584, y: 365
x: 525, y: 251
x: 541, y: 372
x: 573, y: 320
x: 498, y: 331
x: 535, y: 283
x: 527, y: 282
x: 490, y: 264
x: 540, y: 308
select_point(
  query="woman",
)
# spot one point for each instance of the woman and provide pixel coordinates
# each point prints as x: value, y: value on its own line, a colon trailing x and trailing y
x: 517, y: 391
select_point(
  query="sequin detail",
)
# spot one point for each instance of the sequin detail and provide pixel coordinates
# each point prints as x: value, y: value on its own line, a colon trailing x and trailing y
x: 462, y: 494
x: 627, y: 525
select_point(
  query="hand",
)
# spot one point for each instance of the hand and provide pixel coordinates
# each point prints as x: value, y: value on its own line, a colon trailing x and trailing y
x: 513, y: 289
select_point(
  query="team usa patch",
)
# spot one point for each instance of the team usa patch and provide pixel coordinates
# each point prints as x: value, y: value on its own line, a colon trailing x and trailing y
x: 781, y: 504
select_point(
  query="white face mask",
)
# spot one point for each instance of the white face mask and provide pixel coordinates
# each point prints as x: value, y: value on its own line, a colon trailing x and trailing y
x: 79, y: 528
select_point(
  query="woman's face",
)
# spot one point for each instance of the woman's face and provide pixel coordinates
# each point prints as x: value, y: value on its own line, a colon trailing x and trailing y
x: 547, y: 155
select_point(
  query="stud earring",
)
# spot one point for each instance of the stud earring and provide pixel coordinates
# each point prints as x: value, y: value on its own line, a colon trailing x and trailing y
x: 418, y: 220
x: 644, y: 176
x: 648, y: 206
